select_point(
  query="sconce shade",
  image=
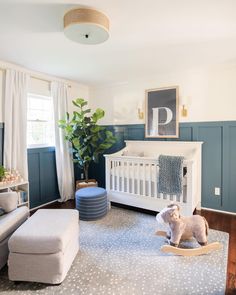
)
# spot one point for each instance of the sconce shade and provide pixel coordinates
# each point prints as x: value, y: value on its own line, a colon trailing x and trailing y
x: 87, y: 26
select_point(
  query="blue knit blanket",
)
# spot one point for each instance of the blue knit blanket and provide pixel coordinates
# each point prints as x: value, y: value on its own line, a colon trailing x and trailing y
x: 170, y: 175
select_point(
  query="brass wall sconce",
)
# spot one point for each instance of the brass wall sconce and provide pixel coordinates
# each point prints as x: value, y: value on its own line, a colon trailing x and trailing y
x: 140, y: 114
x: 184, y: 111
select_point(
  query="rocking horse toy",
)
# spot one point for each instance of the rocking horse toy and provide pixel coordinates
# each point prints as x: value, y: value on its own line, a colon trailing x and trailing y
x: 184, y: 228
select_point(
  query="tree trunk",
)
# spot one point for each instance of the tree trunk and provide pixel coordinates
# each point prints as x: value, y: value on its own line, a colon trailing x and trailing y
x: 86, y: 168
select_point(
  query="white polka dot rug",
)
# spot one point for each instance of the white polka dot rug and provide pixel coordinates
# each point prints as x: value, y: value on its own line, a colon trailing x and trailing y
x: 120, y: 254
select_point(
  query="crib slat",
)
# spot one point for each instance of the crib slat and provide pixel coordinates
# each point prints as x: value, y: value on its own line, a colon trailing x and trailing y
x: 138, y: 180
x: 122, y: 176
x: 113, y: 164
x: 150, y: 181
x: 190, y: 185
x: 155, y: 181
x: 181, y: 197
x: 117, y: 175
x: 108, y: 174
x: 133, y: 177
x: 127, y: 177
x: 144, y: 179
x: 174, y: 198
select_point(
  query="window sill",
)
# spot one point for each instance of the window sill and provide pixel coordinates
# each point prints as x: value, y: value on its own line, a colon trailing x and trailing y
x: 38, y: 146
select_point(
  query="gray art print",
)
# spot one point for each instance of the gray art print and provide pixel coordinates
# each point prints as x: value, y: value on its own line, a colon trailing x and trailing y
x: 162, y: 112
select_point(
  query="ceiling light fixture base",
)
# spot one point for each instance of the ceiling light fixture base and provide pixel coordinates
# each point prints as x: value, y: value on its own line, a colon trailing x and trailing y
x: 86, y: 26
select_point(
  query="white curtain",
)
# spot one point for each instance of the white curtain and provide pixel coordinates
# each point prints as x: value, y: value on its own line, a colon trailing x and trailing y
x: 65, y: 172
x: 15, y: 118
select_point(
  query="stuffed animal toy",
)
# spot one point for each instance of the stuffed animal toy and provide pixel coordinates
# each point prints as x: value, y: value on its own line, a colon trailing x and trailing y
x: 183, y: 228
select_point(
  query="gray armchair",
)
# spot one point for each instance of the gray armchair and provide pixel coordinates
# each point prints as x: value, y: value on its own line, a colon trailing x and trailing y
x: 12, y: 218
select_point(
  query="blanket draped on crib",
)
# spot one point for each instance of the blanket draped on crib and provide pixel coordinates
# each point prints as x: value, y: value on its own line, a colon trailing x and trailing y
x: 170, y: 175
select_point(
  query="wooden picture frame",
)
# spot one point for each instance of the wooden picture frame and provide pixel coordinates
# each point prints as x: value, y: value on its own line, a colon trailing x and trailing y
x: 162, y: 112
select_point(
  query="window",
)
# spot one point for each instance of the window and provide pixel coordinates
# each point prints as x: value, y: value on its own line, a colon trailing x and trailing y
x: 40, y: 121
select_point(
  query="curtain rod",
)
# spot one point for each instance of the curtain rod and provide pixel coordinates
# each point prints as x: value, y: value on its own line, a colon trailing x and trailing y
x: 45, y: 80
x: 34, y: 76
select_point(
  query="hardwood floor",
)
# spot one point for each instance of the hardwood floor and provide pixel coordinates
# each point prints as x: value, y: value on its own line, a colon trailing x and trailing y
x: 226, y: 223
x: 219, y: 221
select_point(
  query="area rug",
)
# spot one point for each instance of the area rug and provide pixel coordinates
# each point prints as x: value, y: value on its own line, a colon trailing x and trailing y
x: 120, y: 254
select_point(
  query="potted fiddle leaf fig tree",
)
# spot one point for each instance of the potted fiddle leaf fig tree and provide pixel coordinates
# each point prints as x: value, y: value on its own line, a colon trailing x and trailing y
x: 2, y: 172
x: 89, y: 140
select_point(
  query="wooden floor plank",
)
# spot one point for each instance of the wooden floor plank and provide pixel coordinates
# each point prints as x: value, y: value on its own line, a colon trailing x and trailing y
x: 227, y: 223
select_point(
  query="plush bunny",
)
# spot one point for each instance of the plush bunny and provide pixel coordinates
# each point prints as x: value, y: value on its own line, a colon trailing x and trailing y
x: 183, y: 228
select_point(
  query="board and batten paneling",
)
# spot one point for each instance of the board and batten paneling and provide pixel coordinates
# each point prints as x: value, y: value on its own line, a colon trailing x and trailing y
x: 186, y: 133
x: 43, y: 185
x: 48, y: 175
x: 230, y: 169
x: 34, y: 178
x: 42, y: 176
x: 211, y: 164
x: 218, y: 158
x: 218, y: 162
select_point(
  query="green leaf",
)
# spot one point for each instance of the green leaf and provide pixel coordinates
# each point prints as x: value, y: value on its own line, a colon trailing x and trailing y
x: 87, y: 111
x: 88, y: 139
x: 81, y: 102
x: 99, y: 113
x: 62, y: 122
x: 109, y: 133
x: 95, y: 129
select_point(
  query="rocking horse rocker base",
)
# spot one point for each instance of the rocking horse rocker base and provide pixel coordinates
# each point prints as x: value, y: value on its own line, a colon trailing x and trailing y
x: 183, y: 228
x: 189, y: 252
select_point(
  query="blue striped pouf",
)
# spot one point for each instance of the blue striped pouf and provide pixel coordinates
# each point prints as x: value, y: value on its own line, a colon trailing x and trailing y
x: 91, y: 203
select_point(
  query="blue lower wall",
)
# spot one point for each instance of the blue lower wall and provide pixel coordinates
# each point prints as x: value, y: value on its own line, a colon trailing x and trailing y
x: 218, y: 158
x: 218, y: 162
x: 43, y: 184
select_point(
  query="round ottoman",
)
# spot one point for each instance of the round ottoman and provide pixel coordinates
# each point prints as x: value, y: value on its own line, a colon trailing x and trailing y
x: 91, y: 203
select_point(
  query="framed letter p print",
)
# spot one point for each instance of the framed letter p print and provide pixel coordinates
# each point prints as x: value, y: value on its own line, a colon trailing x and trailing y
x: 162, y: 113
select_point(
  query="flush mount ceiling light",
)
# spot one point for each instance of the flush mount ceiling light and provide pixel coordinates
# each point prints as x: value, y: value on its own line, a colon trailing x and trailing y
x: 87, y: 26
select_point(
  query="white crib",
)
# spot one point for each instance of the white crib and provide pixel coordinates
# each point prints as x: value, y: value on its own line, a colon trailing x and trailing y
x: 132, y: 175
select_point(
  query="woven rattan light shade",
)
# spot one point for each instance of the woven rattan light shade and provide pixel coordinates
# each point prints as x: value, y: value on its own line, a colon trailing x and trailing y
x: 87, y: 26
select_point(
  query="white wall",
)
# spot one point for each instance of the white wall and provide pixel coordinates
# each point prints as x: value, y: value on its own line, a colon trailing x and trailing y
x: 41, y: 86
x: 77, y: 91
x: 210, y: 95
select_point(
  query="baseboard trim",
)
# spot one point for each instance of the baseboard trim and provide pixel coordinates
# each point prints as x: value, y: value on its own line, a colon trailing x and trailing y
x: 35, y: 208
x: 150, y: 212
x: 219, y: 211
x: 154, y: 212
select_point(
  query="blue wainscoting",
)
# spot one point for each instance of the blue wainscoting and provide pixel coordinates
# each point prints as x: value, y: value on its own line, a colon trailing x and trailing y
x: 218, y: 162
x: 42, y: 173
x: 218, y: 158
x: 43, y: 184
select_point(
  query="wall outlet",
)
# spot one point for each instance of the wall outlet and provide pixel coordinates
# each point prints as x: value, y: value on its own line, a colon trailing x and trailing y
x: 82, y: 175
x: 217, y: 191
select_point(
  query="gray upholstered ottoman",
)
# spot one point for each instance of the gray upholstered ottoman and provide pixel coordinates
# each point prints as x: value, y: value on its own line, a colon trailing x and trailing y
x: 44, y: 247
x: 91, y: 203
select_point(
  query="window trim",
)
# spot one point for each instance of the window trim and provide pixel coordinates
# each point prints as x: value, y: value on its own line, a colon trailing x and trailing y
x: 34, y: 146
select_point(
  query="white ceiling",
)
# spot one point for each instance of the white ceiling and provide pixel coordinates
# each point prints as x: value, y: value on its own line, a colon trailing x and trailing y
x: 146, y: 38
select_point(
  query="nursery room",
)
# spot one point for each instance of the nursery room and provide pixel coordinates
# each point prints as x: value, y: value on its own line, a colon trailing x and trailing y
x: 117, y: 147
